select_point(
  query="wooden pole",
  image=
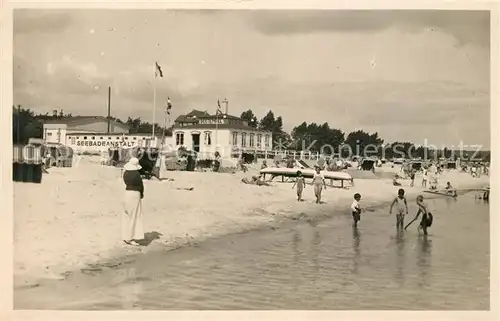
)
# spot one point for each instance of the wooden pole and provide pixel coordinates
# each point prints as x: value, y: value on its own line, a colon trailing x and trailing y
x: 109, y: 108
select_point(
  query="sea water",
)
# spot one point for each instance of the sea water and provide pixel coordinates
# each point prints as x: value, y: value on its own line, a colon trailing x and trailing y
x: 326, y: 265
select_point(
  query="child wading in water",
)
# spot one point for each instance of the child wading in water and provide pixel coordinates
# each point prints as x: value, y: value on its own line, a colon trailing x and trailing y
x: 427, y: 217
x: 301, y: 184
x: 401, y: 208
x: 356, y: 209
x: 319, y: 183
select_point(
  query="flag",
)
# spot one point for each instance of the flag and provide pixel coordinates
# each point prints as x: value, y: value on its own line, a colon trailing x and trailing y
x: 169, y: 106
x: 219, y: 111
x: 158, y: 71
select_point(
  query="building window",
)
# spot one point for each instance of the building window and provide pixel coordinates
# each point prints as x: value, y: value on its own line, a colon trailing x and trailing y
x: 243, y: 139
x: 135, y: 138
x: 101, y: 137
x: 126, y: 138
x: 266, y: 141
x: 259, y: 140
x: 93, y: 137
x: 235, y: 139
x: 49, y: 134
x: 109, y: 137
x: 252, y: 140
x: 117, y: 138
x: 179, y: 139
x: 208, y: 138
x: 84, y: 137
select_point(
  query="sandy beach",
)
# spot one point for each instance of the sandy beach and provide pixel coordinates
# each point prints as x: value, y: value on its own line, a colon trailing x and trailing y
x: 72, y: 219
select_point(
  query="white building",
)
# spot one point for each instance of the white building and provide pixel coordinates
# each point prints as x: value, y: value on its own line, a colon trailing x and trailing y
x: 90, y: 133
x: 205, y: 133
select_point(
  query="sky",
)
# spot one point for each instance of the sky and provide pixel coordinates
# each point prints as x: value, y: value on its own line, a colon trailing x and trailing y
x: 419, y: 76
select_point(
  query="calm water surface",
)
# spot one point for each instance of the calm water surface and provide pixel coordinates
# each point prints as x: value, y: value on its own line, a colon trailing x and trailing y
x: 326, y: 265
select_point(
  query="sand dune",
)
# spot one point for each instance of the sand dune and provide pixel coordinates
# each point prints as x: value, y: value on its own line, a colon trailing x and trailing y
x: 72, y: 218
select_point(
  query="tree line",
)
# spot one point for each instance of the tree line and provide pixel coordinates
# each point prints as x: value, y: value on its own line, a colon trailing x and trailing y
x: 312, y: 137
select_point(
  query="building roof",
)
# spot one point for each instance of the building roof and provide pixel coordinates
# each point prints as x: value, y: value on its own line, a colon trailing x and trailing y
x: 220, y: 126
x: 81, y: 120
x: 200, y: 114
x: 113, y: 134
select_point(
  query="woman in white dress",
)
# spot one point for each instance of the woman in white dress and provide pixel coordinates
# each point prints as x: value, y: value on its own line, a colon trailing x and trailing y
x: 132, y: 220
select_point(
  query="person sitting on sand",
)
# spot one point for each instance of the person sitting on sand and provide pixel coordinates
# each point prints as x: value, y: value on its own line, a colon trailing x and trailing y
x: 264, y: 164
x: 255, y: 180
x: 433, y: 182
x: 401, y: 208
x: 301, y: 184
x: 319, y: 183
x: 450, y: 189
x: 395, y: 181
x: 132, y: 220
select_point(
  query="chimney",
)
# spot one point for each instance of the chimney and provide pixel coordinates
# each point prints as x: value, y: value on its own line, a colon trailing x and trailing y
x: 54, y: 113
x: 61, y: 113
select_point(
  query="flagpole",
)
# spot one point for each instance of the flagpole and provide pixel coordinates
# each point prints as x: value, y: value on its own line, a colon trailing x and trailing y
x: 154, y: 101
x: 164, y: 125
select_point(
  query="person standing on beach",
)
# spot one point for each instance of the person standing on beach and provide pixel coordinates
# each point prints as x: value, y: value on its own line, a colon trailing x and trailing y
x: 424, y: 178
x: 401, y: 208
x: 356, y: 209
x: 412, y: 177
x: 132, y: 220
x: 301, y: 184
x: 319, y: 183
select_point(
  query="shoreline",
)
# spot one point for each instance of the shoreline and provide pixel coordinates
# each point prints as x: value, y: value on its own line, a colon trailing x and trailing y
x: 281, y: 208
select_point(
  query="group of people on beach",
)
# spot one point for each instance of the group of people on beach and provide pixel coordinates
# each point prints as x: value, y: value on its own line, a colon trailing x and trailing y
x: 400, y: 205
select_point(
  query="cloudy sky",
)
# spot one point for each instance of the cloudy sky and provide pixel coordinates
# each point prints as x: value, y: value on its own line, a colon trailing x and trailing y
x: 410, y: 76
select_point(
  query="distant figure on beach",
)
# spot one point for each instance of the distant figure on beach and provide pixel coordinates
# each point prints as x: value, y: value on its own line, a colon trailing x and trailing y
x: 434, y: 182
x: 264, y: 164
x: 412, y: 177
x: 241, y: 164
x: 450, y: 190
x: 356, y: 209
x: 395, y: 181
x: 424, y: 178
x: 401, y: 208
x: 319, y: 183
x: 132, y: 220
x: 301, y: 184
x: 255, y: 180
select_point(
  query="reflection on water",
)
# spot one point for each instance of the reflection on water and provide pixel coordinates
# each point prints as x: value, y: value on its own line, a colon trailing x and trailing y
x: 424, y: 261
x: 400, y: 257
x: 329, y: 265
